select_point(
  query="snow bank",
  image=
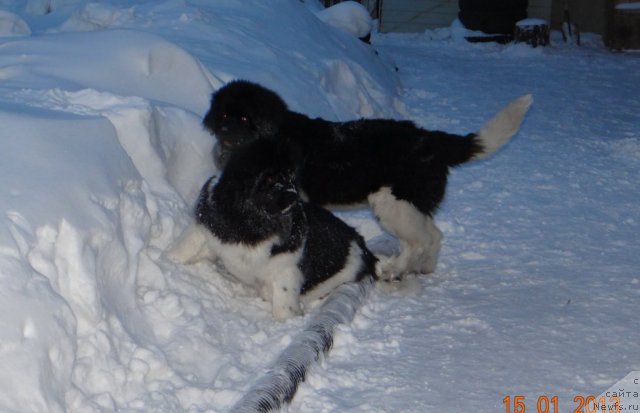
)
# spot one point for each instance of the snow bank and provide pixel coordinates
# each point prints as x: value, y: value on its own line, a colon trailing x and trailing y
x: 97, y: 16
x: 284, y: 45
x: 104, y: 155
x: 349, y: 16
x: 13, y: 25
x: 299, y: 60
x: 44, y: 7
x: 125, y: 62
x: 48, y: 180
x: 456, y: 32
x: 91, y: 199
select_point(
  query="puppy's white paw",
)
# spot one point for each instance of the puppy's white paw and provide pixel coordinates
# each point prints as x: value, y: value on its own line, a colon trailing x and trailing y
x: 429, y: 265
x: 387, y: 268
x: 396, y: 267
x: 285, y: 290
x: 406, y: 286
x: 285, y: 312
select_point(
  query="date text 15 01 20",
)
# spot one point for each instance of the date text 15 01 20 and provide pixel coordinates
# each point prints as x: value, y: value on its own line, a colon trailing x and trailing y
x: 546, y: 404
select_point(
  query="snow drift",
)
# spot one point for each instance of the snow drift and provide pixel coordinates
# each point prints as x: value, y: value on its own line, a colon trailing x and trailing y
x: 103, y: 158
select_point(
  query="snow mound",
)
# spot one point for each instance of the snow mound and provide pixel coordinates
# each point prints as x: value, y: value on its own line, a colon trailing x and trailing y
x: 296, y: 59
x: 42, y: 7
x: 101, y: 124
x: 96, y: 16
x: 349, y: 16
x: 456, y: 32
x: 342, y: 80
x: 58, y: 298
x: 13, y: 25
x: 95, y: 298
x: 122, y: 61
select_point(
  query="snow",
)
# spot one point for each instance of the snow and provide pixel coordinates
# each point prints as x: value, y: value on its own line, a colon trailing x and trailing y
x: 350, y: 16
x: 12, y: 25
x: 531, y: 22
x: 103, y: 155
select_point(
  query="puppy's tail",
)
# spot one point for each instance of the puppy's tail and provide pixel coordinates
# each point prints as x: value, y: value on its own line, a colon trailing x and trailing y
x: 499, y: 129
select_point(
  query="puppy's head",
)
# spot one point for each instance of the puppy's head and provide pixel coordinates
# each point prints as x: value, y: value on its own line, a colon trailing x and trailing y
x: 255, y: 198
x: 274, y: 193
x: 240, y: 113
x: 270, y: 205
x: 259, y: 184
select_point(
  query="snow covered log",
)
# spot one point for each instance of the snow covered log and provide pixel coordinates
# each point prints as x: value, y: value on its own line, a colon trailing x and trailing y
x: 534, y: 32
x: 279, y: 385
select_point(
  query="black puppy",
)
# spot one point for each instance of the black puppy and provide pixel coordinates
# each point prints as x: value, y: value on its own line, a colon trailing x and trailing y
x: 398, y: 168
x: 253, y: 219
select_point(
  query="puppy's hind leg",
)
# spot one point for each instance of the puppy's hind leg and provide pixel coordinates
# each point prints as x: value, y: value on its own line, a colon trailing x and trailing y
x: 419, y: 238
x: 433, y: 248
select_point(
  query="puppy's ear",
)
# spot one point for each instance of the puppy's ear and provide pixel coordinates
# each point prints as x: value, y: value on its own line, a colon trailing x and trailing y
x: 268, y: 121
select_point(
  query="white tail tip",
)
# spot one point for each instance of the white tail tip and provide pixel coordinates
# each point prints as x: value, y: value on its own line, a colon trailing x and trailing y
x: 499, y: 129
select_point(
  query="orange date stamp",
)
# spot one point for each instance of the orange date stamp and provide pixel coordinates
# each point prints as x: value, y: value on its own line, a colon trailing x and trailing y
x: 549, y: 404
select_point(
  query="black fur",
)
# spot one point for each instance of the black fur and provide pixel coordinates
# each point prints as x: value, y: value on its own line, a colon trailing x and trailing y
x: 328, y: 240
x: 256, y: 198
x: 341, y: 162
x: 246, y: 203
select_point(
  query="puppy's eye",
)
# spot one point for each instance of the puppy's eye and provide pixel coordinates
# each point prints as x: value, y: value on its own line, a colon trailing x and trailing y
x: 244, y: 119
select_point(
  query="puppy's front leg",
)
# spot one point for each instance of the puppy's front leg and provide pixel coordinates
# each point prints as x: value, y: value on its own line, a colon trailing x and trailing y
x: 286, y: 294
x: 192, y: 246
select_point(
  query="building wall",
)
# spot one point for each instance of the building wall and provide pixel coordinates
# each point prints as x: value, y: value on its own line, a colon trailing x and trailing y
x: 590, y: 16
x: 419, y: 15
x: 540, y: 9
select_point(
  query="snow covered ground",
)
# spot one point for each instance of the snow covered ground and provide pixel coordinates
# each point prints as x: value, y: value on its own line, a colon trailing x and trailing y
x: 102, y: 151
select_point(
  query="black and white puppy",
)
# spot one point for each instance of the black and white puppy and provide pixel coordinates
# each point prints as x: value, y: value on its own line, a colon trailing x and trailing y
x: 254, y: 221
x: 397, y: 167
